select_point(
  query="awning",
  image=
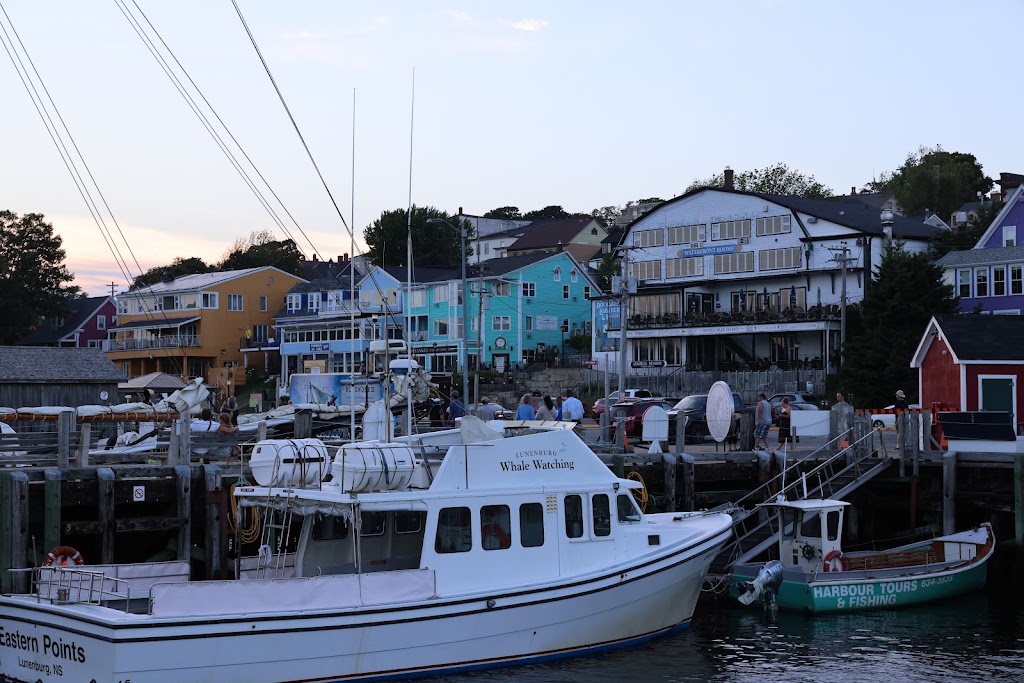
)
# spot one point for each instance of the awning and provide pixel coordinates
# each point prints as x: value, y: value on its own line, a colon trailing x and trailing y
x: 155, y: 324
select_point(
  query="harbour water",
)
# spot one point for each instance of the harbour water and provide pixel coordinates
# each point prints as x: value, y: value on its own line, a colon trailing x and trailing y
x: 969, y: 639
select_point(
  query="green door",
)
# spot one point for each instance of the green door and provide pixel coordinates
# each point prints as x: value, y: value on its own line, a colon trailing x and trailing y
x: 997, y: 394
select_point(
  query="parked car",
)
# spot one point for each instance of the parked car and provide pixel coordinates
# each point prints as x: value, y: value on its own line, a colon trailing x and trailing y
x: 633, y: 409
x: 502, y: 414
x: 613, y: 398
x: 888, y: 420
x: 694, y: 408
x: 798, y: 400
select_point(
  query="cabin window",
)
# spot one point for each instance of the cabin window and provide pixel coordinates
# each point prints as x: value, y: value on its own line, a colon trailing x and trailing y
x: 602, y: 514
x: 626, y: 508
x: 833, y: 520
x: 810, y: 526
x: 495, y: 527
x: 531, y: 525
x: 453, y: 531
x: 573, y: 516
x: 372, y: 524
x: 329, y: 528
x: 788, y: 520
x: 407, y: 522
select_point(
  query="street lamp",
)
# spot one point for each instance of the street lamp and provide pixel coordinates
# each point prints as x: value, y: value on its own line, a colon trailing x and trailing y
x: 796, y: 351
x: 464, y: 347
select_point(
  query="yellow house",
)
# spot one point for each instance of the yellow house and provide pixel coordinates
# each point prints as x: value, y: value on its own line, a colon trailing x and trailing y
x: 210, y: 325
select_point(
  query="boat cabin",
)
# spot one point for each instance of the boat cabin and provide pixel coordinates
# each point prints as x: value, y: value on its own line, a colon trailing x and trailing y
x: 810, y: 532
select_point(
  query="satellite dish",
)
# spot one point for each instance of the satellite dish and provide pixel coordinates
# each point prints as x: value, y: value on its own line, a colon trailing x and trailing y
x: 720, y: 408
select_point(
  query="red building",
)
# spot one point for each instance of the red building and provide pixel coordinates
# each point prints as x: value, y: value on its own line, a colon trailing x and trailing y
x: 972, y: 362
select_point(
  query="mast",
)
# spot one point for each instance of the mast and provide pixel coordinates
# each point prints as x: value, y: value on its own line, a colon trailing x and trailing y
x: 406, y: 301
x: 352, y: 284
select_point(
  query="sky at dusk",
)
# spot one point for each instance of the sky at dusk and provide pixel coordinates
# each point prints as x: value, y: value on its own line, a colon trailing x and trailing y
x: 582, y: 104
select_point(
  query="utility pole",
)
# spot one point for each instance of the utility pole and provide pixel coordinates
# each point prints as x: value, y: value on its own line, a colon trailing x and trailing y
x: 623, y: 321
x: 113, y: 289
x: 843, y: 260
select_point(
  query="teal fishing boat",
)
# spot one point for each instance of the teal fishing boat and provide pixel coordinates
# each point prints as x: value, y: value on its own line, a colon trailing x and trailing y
x: 813, y: 574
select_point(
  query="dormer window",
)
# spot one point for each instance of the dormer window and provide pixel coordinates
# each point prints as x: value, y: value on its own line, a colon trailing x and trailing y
x: 1009, y: 235
x: 557, y: 274
x: 573, y: 276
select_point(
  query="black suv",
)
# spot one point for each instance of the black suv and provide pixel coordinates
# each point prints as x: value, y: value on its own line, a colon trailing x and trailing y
x: 695, y: 409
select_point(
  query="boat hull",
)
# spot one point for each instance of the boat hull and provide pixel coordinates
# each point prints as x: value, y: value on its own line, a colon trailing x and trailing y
x: 49, y: 643
x: 834, y: 593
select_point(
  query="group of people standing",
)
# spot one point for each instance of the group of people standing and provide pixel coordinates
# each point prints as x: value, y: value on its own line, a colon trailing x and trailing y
x: 764, y: 416
x: 550, y: 409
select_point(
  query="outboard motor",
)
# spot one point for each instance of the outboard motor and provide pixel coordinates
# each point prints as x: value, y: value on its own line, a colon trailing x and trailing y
x: 767, y: 583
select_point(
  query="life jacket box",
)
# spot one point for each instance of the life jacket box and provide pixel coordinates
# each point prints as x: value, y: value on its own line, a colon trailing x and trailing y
x: 289, y: 462
x: 371, y: 466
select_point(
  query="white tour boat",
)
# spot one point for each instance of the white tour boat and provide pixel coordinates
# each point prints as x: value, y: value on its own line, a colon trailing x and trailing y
x: 518, y: 548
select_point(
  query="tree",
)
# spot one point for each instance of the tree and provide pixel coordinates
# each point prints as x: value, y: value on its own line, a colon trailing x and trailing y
x: 936, y: 180
x: 33, y: 277
x: 607, y: 214
x: 261, y: 249
x: 965, y: 236
x: 608, y: 267
x: 908, y: 290
x: 179, y: 267
x: 552, y: 212
x: 511, y: 212
x: 777, y: 179
x: 433, y: 244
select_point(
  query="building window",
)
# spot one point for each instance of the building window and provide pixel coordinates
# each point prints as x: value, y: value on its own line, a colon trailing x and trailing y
x: 499, y: 288
x: 122, y: 306
x: 528, y: 323
x: 1015, y: 280
x: 293, y: 302
x: 649, y: 238
x: 565, y: 291
x: 981, y: 282
x: 440, y: 293
x: 573, y: 276
x: 684, y: 267
x: 260, y: 334
x: 210, y: 300
x: 313, y: 302
x: 556, y: 274
x: 730, y: 230
x: 440, y: 328
x: 586, y: 292
x: 565, y: 324
x: 740, y: 262
x: 501, y: 323
x: 170, y: 303
x: 999, y: 281
x: 687, y: 234
x: 1009, y: 235
x: 654, y: 305
x: 773, y: 225
x: 263, y: 304
x: 101, y: 322
x: 234, y: 302
x: 529, y: 289
x: 418, y: 298
x: 646, y: 270
x: 778, y: 259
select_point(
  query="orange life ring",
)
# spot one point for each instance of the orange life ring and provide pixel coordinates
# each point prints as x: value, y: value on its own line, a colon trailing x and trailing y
x: 496, y: 531
x: 66, y: 553
x: 844, y: 564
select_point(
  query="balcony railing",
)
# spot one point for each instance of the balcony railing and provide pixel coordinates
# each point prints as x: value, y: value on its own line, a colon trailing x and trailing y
x: 788, y: 315
x: 169, y: 342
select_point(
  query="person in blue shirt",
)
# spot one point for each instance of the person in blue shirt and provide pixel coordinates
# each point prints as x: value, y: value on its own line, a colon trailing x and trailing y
x: 525, y: 410
x: 455, y: 409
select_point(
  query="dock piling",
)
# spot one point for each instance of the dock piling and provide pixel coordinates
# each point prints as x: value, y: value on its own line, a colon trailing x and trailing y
x: 949, y: 493
x: 105, y: 498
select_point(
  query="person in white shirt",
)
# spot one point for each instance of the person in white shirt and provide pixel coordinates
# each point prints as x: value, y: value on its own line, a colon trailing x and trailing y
x: 205, y: 423
x: 572, y: 409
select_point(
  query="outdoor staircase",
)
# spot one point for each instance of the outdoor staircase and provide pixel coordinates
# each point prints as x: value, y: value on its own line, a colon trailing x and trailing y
x: 842, y: 473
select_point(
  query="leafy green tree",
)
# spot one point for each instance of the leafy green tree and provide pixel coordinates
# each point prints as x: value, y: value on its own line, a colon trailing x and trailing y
x: 937, y: 180
x: 777, y: 179
x: 552, y: 212
x: 260, y: 249
x: 33, y: 277
x: 179, y: 267
x: 608, y: 267
x: 965, y: 236
x: 907, y: 292
x: 649, y: 200
x: 432, y: 244
x: 511, y: 212
x: 606, y: 214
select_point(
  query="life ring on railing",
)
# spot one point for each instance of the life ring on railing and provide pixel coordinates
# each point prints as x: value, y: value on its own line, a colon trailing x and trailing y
x: 497, y: 532
x: 834, y: 556
x: 61, y: 555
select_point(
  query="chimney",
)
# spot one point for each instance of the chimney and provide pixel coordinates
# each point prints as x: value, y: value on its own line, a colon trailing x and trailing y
x: 996, y: 197
x: 853, y: 190
x: 728, y: 178
x: 316, y: 257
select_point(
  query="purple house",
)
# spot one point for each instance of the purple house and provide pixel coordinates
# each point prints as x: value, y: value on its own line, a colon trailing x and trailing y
x: 84, y: 324
x: 990, y: 277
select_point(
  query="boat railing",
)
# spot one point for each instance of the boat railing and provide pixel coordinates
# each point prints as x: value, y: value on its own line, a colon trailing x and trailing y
x: 68, y: 585
x: 818, y: 481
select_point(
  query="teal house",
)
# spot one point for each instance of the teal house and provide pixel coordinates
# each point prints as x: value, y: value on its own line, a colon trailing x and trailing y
x: 521, y: 308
